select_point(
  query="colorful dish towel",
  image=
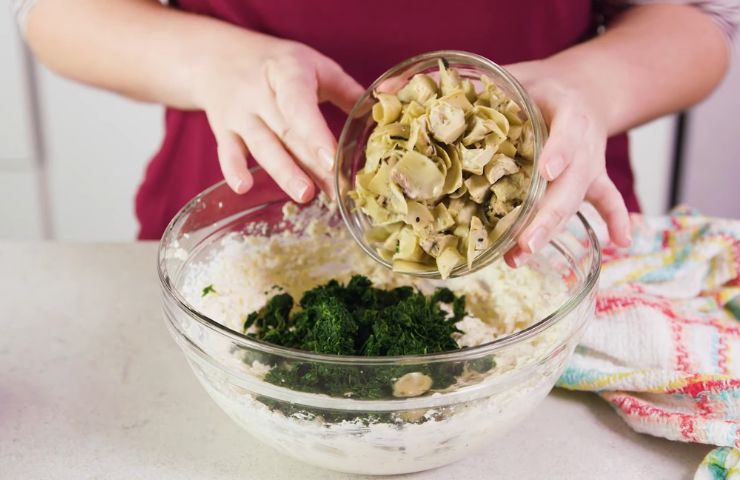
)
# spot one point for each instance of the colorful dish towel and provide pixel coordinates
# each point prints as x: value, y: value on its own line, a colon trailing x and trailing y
x: 664, y: 346
x: 722, y: 463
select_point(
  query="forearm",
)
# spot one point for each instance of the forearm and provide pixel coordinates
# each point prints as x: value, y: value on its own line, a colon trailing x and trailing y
x: 138, y: 48
x: 652, y: 60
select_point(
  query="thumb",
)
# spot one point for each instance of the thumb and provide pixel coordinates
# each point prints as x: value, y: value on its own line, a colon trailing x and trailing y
x: 336, y: 86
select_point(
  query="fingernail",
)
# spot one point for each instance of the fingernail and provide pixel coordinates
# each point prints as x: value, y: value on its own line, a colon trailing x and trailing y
x: 520, y: 258
x: 326, y: 158
x: 537, y: 239
x: 239, y: 186
x: 243, y: 184
x: 629, y: 238
x: 554, y: 167
x: 298, y: 187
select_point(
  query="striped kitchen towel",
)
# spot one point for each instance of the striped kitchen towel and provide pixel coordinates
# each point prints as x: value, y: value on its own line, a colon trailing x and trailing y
x: 722, y: 463
x: 664, y: 346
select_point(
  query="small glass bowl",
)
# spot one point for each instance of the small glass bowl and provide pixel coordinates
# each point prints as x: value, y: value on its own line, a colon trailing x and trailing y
x: 350, y: 157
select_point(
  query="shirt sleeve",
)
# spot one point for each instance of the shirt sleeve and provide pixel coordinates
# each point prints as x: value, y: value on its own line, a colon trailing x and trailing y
x: 726, y: 13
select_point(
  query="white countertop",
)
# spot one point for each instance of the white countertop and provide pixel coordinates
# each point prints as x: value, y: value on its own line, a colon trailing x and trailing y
x: 92, y: 386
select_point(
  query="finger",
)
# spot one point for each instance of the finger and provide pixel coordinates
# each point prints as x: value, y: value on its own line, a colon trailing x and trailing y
x: 603, y: 194
x: 524, y: 72
x: 270, y: 153
x: 561, y: 201
x: 300, y: 124
x: 567, y: 131
x: 336, y: 86
x: 516, y: 257
x: 392, y: 84
x: 232, y: 156
x: 315, y: 161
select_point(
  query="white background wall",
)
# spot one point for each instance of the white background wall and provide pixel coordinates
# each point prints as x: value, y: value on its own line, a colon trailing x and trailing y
x: 97, y: 145
x: 711, y: 177
x: 651, y: 152
x: 20, y: 200
x: 71, y: 173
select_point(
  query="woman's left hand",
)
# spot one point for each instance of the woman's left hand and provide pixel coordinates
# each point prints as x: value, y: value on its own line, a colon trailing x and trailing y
x: 572, y: 161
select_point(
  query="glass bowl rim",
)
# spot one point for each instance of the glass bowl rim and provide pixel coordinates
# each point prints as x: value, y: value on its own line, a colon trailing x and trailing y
x: 453, y: 355
x: 534, y: 192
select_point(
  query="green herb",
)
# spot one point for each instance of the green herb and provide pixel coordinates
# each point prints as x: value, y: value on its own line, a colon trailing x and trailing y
x: 207, y: 290
x: 359, y: 319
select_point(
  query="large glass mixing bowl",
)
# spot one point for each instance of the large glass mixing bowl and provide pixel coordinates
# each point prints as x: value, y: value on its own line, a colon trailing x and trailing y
x: 383, y: 434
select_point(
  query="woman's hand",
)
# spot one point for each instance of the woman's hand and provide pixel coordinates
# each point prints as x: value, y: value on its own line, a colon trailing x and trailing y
x: 261, y: 95
x: 572, y: 160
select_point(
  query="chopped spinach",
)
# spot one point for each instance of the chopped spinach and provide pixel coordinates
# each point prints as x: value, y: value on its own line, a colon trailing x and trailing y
x: 359, y: 319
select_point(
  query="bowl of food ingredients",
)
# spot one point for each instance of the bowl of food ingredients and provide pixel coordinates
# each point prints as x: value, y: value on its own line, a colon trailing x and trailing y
x: 324, y: 354
x: 437, y: 165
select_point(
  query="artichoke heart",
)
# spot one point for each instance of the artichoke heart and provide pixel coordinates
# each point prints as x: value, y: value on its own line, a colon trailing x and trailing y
x: 378, y: 234
x: 510, y: 187
x: 419, y: 137
x: 526, y: 142
x: 477, y: 131
x: 421, y: 88
x: 449, y: 79
x: 460, y: 192
x: 418, y: 176
x: 461, y: 231
x: 435, y: 244
x: 465, y: 214
x: 387, y: 109
x: 499, y: 167
x: 405, y: 266
x: 410, y: 111
x: 419, y: 217
x: 448, y: 260
x: 442, y: 218
x: 478, y: 188
x: 381, y: 181
x: 378, y: 213
x: 440, y: 154
x: 455, y: 205
x: 459, y: 100
x: 447, y: 166
x: 474, y: 160
x: 408, y: 246
x: 507, y: 148
x: 513, y: 113
x: 477, y: 240
x: 454, y: 177
x: 496, y: 208
x: 391, y: 243
x: 397, y: 200
x: 446, y: 122
x: 469, y: 89
x: 496, y: 121
x: 382, y: 142
x: 515, y: 132
x: 504, y: 223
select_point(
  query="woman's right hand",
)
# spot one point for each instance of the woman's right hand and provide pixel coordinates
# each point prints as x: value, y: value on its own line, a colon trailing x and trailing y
x: 262, y: 96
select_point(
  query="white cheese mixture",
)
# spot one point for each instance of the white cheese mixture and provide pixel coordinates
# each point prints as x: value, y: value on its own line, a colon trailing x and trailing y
x: 242, y: 270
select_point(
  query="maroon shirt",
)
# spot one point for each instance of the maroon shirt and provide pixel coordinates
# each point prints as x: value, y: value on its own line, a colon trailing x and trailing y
x: 366, y: 38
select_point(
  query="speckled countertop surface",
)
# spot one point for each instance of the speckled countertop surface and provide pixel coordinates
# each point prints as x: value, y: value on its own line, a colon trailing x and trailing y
x: 92, y: 386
